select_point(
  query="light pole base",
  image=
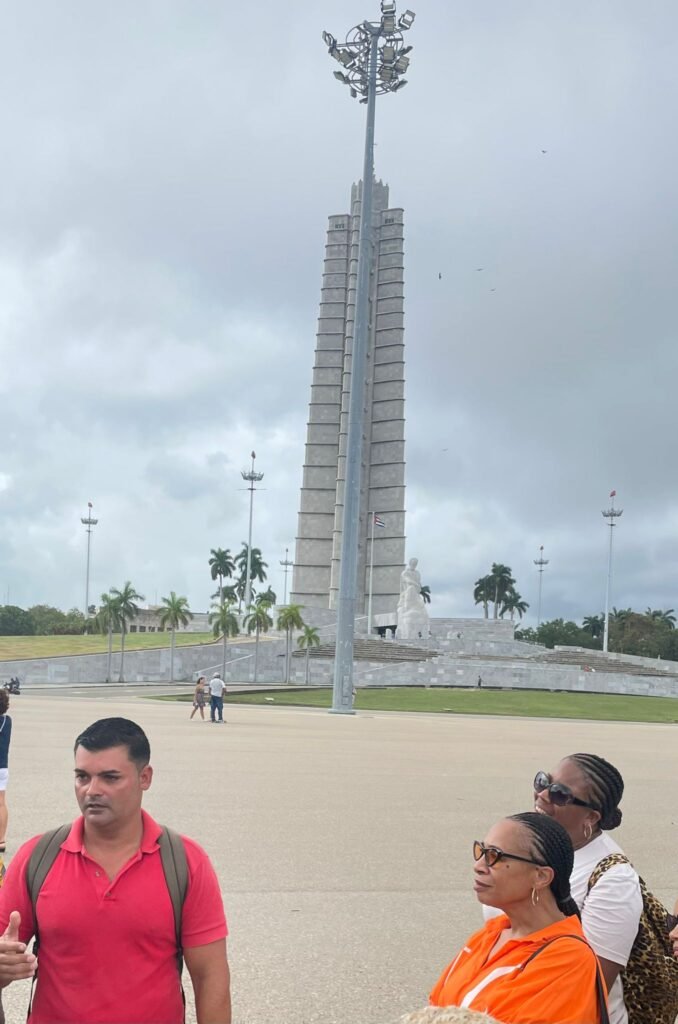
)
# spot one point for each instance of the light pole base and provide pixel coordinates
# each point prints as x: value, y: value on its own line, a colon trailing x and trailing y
x: 341, y: 711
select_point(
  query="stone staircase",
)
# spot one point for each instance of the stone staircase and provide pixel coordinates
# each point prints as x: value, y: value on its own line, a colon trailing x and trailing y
x: 374, y: 650
x: 598, y: 662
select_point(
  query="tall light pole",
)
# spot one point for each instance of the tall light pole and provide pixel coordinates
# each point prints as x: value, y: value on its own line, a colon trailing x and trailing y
x: 610, y: 514
x: 252, y: 478
x: 89, y: 522
x: 540, y: 563
x: 374, y: 59
x: 287, y: 564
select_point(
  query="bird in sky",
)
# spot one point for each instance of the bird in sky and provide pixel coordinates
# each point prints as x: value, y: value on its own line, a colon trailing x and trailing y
x: 478, y: 269
x: 440, y: 277
x: 544, y: 150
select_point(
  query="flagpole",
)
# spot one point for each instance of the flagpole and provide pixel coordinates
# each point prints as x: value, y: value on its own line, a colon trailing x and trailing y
x: 369, y: 599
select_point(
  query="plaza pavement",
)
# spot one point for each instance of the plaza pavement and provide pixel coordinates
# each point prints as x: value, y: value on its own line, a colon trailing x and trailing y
x: 342, y: 843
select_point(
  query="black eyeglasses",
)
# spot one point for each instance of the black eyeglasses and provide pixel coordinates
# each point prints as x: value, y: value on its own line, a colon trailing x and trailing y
x: 559, y: 794
x: 493, y: 855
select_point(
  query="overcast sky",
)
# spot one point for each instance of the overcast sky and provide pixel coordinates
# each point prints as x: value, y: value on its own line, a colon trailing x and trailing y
x: 167, y: 172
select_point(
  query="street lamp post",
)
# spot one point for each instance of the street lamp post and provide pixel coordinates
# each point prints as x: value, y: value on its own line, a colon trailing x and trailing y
x: 610, y: 514
x: 540, y: 563
x: 287, y: 564
x: 374, y: 59
x: 89, y: 522
x: 253, y: 478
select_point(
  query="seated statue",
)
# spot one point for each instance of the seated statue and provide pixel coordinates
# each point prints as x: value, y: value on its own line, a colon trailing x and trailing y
x: 413, y: 623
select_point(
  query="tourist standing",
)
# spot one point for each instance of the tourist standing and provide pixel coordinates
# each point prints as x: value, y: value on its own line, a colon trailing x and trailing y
x: 108, y: 936
x: 217, y: 687
x: 5, y: 737
x: 199, y: 698
x: 530, y: 965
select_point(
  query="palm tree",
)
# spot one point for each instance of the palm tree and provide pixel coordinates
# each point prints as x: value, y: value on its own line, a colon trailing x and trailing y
x: 175, y: 613
x: 619, y: 614
x: 224, y: 623
x: 503, y: 583
x: 107, y: 621
x: 513, y: 603
x: 666, y: 618
x: 221, y: 565
x: 268, y: 596
x: 258, y: 621
x: 308, y: 639
x: 593, y: 624
x: 426, y: 594
x: 128, y: 609
x: 289, y: 620
x: 482, y: 592
x: 257, y: 569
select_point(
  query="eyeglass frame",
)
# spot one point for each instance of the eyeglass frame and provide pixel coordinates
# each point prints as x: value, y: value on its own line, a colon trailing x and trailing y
x: 563, y: 790
x: 500, y: 855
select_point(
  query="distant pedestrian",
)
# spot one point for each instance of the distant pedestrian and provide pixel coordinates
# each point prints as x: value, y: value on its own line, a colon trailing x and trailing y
x: 199, y: 698
x: 479, y: 684
x: 5, y: 736
x: 217, y: 687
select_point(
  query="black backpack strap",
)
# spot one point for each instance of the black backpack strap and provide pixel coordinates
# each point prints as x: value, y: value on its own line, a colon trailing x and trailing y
x: 601, y: 990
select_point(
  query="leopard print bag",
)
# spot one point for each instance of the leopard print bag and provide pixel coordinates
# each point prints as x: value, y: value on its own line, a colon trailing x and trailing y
x: 650, y: 978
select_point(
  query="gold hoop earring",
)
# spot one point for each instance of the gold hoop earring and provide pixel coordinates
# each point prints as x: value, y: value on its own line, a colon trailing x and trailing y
x: 587, y: 835
x: 535, y: 896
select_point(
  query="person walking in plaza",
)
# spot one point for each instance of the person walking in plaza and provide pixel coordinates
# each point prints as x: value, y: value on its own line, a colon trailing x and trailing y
x: 217, y: 687
x: 107, y: 919
x: 532, y: 964
x: 5, y: 737
x: 199, y: 697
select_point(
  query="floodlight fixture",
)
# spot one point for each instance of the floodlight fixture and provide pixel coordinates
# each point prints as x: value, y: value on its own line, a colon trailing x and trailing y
x: 388, y: 7
x: 399, y: 85
x: 406, y: 20
x: 402, y: 64
x: 341, y: 77
x: 345, y: 57
x: 388, y: 54
x: 404, y: 50
x: 386, y: 74
x: 329, y: 41
x: 388, y: 24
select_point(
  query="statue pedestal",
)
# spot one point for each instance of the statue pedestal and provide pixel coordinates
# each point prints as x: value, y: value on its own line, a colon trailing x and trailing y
x: 413, y: 624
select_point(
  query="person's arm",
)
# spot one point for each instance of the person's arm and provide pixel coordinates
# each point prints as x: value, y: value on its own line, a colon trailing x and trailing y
x: 211, y: 980
x: 16, y: 963
x: 610, y: 918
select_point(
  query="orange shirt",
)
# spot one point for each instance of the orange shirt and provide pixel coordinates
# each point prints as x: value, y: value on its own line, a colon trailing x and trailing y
x: 557, y: 987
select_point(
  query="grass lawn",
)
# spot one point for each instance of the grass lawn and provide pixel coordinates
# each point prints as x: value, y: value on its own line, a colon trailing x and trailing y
x: 525, y: 703
x: 13, y: 647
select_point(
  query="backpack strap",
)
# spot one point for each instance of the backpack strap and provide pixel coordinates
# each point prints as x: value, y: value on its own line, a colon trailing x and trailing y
x: 40, y: 862
x: 601, y: 990
x: 175, y: 869
x: 601, y: 867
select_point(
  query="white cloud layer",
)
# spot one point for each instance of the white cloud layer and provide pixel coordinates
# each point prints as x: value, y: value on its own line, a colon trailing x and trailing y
x: 167, y: 174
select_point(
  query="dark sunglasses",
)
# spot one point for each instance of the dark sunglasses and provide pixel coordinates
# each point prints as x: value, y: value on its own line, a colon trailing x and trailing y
x: 559, y: 794
x: 492, y: 855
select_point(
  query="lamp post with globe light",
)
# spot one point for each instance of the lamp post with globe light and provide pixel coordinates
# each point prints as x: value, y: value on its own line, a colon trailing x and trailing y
x: 373, y: 61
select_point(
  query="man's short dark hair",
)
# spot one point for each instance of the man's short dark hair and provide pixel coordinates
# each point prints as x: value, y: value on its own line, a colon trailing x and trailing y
x: 116, y: 732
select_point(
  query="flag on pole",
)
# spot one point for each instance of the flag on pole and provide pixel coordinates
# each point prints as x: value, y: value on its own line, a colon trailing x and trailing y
x: 378, y: 521
x: 613, y: 494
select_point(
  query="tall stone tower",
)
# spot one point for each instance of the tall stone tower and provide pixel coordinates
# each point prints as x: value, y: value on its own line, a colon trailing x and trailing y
x: 315, y: 580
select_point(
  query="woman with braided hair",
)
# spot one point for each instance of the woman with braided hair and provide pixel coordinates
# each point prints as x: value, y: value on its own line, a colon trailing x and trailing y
x: 582, y: 794
x: 532, y: 964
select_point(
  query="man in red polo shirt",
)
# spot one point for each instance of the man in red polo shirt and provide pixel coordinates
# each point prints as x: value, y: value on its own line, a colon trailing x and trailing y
x: 108, y: 950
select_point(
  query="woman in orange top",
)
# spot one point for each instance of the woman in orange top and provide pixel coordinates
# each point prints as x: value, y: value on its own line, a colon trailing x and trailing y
x: 531, y: 965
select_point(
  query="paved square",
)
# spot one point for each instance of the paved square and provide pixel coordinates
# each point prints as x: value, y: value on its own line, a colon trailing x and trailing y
x: 342, y: 843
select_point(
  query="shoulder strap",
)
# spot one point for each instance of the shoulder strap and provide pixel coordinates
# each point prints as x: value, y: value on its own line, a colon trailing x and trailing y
x: 40, y: 862
x: 600, y: 985
x: 175, y: 868
x: 603, y: 865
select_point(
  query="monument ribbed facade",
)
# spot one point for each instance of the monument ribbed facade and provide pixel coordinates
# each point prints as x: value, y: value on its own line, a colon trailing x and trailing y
x: 315, y: 579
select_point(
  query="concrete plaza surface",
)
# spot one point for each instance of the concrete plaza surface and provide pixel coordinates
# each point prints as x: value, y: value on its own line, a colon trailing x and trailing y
x: 342, y: 843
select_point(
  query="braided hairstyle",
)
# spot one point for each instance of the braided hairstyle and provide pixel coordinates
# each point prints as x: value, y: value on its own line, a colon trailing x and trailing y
x: 606, y: 785
x: 552, y: 845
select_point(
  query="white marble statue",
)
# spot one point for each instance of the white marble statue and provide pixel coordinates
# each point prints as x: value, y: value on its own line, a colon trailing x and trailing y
x: 413, y: 621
